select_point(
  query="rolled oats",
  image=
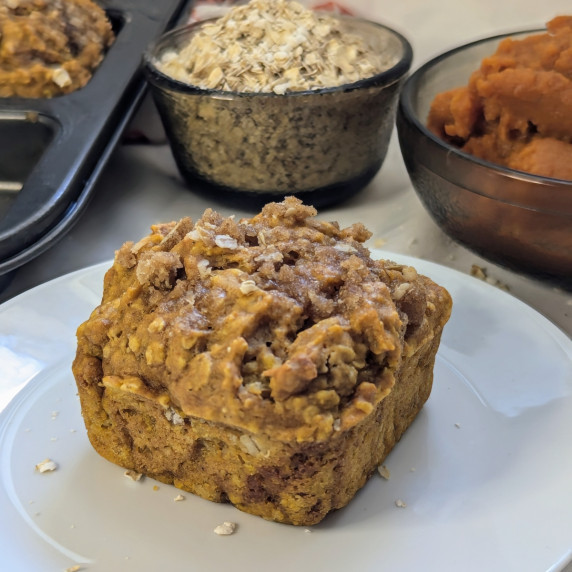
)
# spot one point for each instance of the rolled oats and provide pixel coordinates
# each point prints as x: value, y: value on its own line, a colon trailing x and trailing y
x: 248, y: 286
x: 273, y: 46
x: 61, y: 77
x: 172, y: 416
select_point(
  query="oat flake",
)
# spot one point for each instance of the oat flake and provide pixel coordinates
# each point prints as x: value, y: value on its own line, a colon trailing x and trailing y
x: 384, y: 472
x: 47, y: 465
x: 225, y: 528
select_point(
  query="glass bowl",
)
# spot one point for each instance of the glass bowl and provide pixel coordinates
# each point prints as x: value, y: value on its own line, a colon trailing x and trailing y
x: 320, y: 145
x: 518, y: 220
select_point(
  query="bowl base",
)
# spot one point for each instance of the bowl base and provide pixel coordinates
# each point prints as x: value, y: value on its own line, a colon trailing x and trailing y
x: 320, y: 197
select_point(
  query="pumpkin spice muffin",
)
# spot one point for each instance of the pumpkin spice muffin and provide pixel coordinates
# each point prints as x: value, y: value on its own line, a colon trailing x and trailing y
x: 50, y: 47
x: 269, y: 362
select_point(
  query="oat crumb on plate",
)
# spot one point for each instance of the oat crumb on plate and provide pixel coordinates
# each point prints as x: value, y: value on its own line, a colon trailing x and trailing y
x: 225, y: 528
x: 179, y: 498
x: 74, y: 568
x: 47, y: 465
x: 384, y: 472
x: 133, y: 475
x: 401, y: 504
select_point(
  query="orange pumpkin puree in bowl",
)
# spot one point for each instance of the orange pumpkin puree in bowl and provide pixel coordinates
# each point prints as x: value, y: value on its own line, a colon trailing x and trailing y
x: 516, y: 109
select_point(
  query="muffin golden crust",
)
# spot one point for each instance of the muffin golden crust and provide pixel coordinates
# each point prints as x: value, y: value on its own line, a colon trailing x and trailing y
x: 269, y: 362
x: 50, y: 47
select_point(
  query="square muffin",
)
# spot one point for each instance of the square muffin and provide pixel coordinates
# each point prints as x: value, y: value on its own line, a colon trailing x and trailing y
x: 268, y: 362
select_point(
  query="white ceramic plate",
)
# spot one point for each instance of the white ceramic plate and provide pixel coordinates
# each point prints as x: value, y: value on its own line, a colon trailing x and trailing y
x: 485, y: 470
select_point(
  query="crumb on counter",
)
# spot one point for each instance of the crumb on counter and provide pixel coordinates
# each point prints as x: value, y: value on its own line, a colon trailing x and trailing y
x: 481, y: 273
x: 225, y: 529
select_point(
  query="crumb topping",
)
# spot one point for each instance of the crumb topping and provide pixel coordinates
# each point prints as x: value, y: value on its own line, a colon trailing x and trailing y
x: 285, y: 324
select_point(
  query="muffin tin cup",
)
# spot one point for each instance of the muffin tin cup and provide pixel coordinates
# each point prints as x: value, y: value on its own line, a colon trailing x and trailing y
x: 54, y: 149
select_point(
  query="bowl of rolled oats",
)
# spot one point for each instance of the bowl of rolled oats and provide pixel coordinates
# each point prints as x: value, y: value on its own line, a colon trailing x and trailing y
x: 274, y: 99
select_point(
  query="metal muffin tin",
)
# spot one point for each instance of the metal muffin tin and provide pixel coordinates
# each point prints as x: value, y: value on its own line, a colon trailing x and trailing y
x: 53, y: 150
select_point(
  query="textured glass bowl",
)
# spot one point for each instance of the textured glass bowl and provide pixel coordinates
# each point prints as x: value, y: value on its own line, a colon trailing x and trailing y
x: 321, y: 145
x: 518, y: 220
